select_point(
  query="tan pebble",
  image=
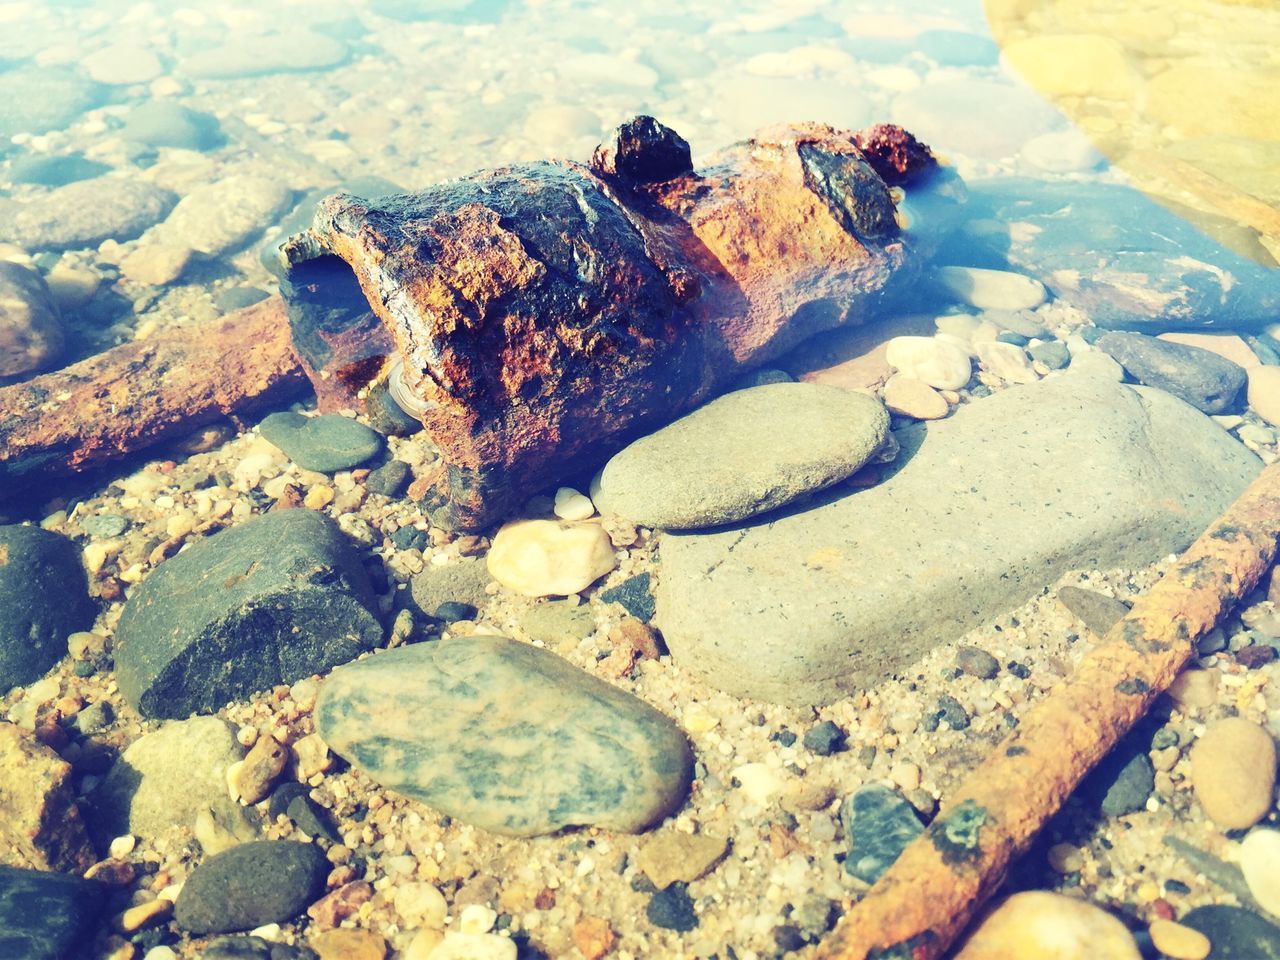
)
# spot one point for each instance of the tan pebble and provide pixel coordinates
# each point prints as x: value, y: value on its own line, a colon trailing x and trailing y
x: 1264, y: 393
x: 673, y: 855
x: 318, y: 497
x: 72, y: 287
x: 1195, y: 689
x: 331, y: 909
x: 421, y: 905
x: 349, y: 945
x: 476, y: 918
x: 1039, y: 925
x: 1006, y: 360
x: 260, y: 769
x: 468, y: 946
x: 914, y: 398
x: 806, y: 794
x: 543, y: 558
x: 637, y: 636
x: 905, y: 774
x: 155, y: 265
x: 593, y: 937
x: 311, y: 756
x: 121, y: 847
x: 1064, y: 858
x: 1233, y: 772
x: 1178, y: 942
x: 144, y: 915
x: 423, y: 944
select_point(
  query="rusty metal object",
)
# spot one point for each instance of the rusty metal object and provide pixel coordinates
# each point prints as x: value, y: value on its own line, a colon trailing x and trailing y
x: 132, y: 396
x: 938, y: 884
x: 546, y: 314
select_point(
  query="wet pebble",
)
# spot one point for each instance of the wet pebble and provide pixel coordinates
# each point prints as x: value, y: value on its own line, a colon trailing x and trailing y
x: 266, y: 881
x: 543, y: 558
x: 879, y: 824
x: 325, y: 444
x: 977, y: 663
x: 237, y: 298
x: 85, y: 213
x: 1260, y: 862
x: 992, y: 289
x: 123, y: 63
x: 346, y: 944
x: 1205, y: 380
x: 673, y: 856
x: 1096, y: 610
x: 914, y: 398
x: 155, y: 264
x: 1233, y: 772
x: 937, y: 363
x: 31, y: 329
x: 1021, y: 926
x: 1052, y: 353
x: 218, y: 217
x: 1235, y: 933
x: 256, y: 54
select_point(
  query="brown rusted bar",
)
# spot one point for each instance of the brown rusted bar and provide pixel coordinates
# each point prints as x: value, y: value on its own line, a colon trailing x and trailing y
x: 544, y: 315
x: 925, y: 900
x: 135, y: 395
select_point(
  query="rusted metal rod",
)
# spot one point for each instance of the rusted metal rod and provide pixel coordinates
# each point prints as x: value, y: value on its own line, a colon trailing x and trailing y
x: 929, y: 895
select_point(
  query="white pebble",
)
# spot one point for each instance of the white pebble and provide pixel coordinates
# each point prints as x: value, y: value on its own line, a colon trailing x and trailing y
x: 160, y: 953
x: 542, y: 558
x: 1007, y: 361
x: 1260, y: 863
x: 476, y: 918
x: 760, y: 782
x: 942, y: 365
x: 467, y: 946
x: 992, y: 289
x: 121, y: 847
x: 572, y: 505
x: 421, y: 904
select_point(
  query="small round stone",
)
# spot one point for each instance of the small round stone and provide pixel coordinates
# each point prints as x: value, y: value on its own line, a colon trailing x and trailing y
x: 542, y: 558
x: 1260, y: 863
x: 1025, y: 925
x: 1233, y: 771
x: 1178, y: 942
x: 914, y: 398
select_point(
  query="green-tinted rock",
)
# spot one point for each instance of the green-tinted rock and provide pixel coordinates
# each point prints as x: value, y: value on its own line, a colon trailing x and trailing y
x: 880, y: 824
x: 268, y: 881
x: 635, y: 594
x: 462, y: 581
x: 1236, y: 934
x: 46, y: 171
x: 40, y: 99
x: 505, y: 736
x: 557, y: 620
x: 325, y: 443
x: 44, y: 597
x: 270, y: 601
x: 47, y: 916
x: 161, y: 123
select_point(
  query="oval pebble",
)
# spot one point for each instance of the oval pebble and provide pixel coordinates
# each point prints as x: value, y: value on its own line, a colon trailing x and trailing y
x: 1039, y: 925
x: 1233, y: 772
x: 475, y: 946
x: 992, y: 289
x: 1178, y: 942
x: 1260, y: 863
x: 939, y: 364
x: 1006, y: 360
x: 914, y: 398
x: 545, y: 558
x: 266, y: 881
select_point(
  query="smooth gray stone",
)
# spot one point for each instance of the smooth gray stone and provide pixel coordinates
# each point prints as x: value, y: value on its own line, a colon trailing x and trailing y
x: 325, y: 444
x: 984, y: 510
x: 272, y: 600
x: 38, y: 99
x: 31, y: 330
x: 1205, y: 380
x: 161, y: 123
x: 44, y: 598
x: 267, y: 881
x: 505, y: 736
x: 47, y: 916
x: 743, y: 454
x: 1096, y: 610
x: 84, y: 213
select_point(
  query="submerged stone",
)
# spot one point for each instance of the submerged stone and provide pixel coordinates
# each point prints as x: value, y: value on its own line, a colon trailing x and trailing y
x: 880, y: 823
x: 273, y: 600
x: 267, y: 881
x: 983, y: 510
x: 47, y: 916
x: 1205, y: 380
x: 324, y: 444
x: 505, y: 736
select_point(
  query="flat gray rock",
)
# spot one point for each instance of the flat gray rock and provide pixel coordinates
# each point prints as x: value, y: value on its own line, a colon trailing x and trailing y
x: 84, y: 213
x: 1205, y: 380
x: 272, y: 600
x: 505, y: 736
x: 47, y: 916
x: 986, y: 508
x: 743, y: 454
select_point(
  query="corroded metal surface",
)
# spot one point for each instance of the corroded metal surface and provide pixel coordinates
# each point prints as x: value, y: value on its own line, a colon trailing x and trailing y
x: 548, y: 313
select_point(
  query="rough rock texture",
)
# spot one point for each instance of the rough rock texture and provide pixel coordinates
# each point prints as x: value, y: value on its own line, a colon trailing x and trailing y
x: 983, y: 511
x: 267, y: 881
x: 141, y: 393
x: 1205, y: 380
x: 164, y: 779
x: 505, y: 736
x: 1123, y: 259
x: 743, y: 454
x: 47, y: 916
x: 31, y: 334
x: 44, y: 598
x: 548, y: 313
x: 40, y: 825
x: 270, y: 601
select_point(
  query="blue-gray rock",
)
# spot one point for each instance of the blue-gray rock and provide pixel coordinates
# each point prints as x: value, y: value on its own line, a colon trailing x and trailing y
x: 672, y: 909
x: 984, y: 509
x: 743, y: 454
x: 84, y: 213
x: 389, y: 480
x: 38, y: 99
x: 105, y: 525
x: 1121, y: 783
x: 1096, y: 610
x: 879, y: 824
x: 1052, y: 353
x: 635, y: 594
x: 46, y: 171
x: 272, y: 600
x: 505, y: 736
x: 47, y: 916
x: 1205, y: 380
x: 162, y: 123
x: 44, y: 598
x: 1124, y: 260
x: 462, y: 581
x: 824, y: 739
x: 237, y: 298
x: 266, y: 881
x: 326, y: 443
x: 1236, y: 934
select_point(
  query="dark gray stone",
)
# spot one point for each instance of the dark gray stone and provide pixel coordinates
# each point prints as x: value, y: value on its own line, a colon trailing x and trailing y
x: 505, y: 736
x: 45, y: 171
x: 1124, y: 260
x: 389, y: 480
x: 162, y: 123
x: 1072, y: 472
x: 879, y: 824
x: 325, y: 444
x: 458, y: 582
x: 47, y: 916
x: 1205, y: 380
x: 237, y: 298
x: 106, y: 525
x: 272, y: 600
x: 672, y: 909
x: 1121, y: 783
x: 39, y: 99
x: 1052, y: 353
x: 952, y: 711
x: 1096, y: 610
x: 1236, y: 934
x: 635, y: 594
x: 824, y: 739
x: 85, y: 213
x: 267, y: 881
x: 44, y: 598
x: 237, y: 948
x: 452, y: 612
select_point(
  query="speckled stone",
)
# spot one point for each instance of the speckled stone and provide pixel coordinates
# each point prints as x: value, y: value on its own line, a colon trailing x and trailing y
x: 272, y: 600
x: 46, y: 916
x: 325, y: 444
x: 1096, y: 610
x: 1205, y: 380
x: 267, y: 881
x: 505, y: 736
x: 1233, y: 771
x: 1236, y: 934
x: 880, y: 823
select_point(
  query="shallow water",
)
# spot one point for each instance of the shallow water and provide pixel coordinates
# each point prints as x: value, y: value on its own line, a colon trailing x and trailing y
x: 1142, y: 132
